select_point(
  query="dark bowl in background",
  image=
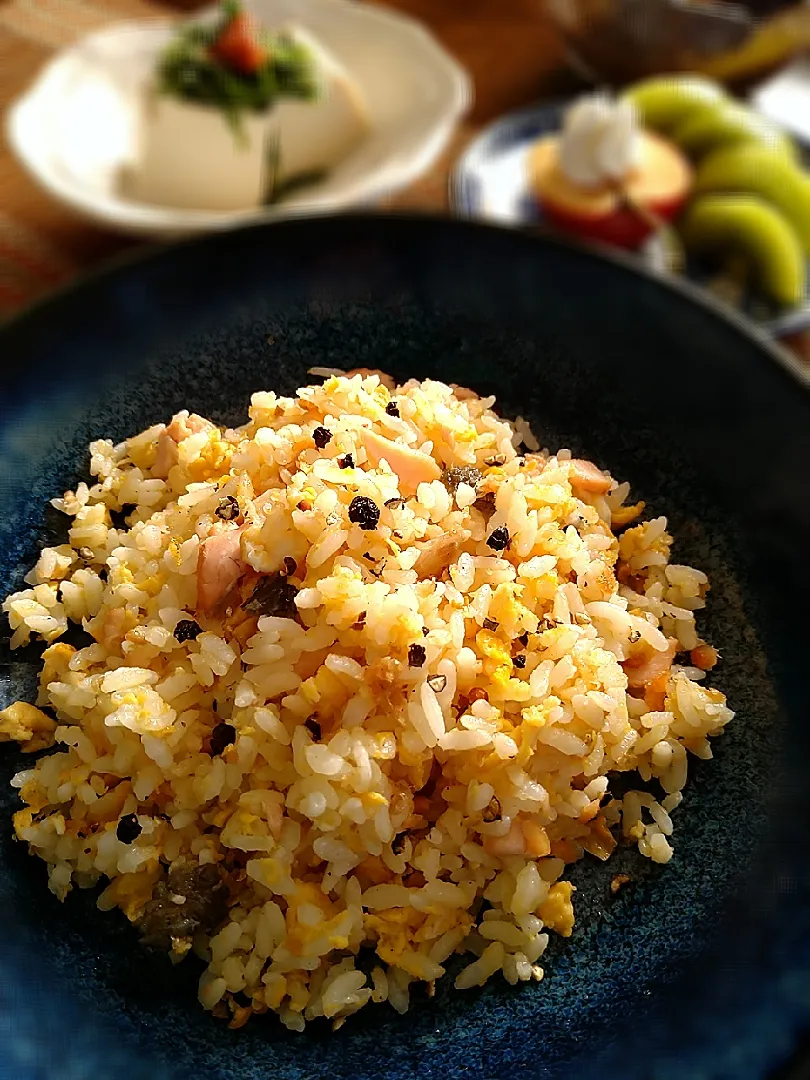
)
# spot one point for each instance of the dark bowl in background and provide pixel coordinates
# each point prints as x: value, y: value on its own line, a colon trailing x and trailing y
x: 698, y: 969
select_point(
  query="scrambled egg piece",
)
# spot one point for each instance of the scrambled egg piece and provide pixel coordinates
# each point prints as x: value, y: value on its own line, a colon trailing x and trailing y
x: 25, y: 724
x: 497, y: 658
x: 396, y: 929
x: 557, y: 910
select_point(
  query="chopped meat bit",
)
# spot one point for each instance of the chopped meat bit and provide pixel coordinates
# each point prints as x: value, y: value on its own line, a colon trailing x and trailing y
x: 314, y: 728
x: 463, y: 393
x: 512, y: 842
x: 274, y: 595
x: 392, y: 409
x: 219, y: 568
x: 499, y: 539
x: 485, y: 505
x: 585, y: 476
x: 166, y: 457
x: 228, y: 508
x: 187, y: 630
x: 204, y: 905
x: 179, y: 429
x: 437, y: 554
x: 223, y: 736
x: 466, y: 474
x: 417, y: 655
x: 364, y: 512
x: 129, y: 829
x: 704, y: 657
x: 478, y: 693
x: 617, y: 882
x: 645, y: 668
x: 411, y: 466
x: 490, y: 624
x: 25, y: 724
x: 321, y: 436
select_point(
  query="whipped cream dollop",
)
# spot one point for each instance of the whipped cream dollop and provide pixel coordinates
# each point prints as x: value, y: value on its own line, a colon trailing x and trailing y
x: 600, y: 141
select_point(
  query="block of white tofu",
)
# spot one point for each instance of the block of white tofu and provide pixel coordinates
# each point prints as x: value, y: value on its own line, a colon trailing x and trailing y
x: 189, y: 156
x: 315, y: 136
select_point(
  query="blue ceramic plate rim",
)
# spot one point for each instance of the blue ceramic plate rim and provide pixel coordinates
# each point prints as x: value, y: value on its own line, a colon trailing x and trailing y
x: 130, y: 262
x: 519, y: 127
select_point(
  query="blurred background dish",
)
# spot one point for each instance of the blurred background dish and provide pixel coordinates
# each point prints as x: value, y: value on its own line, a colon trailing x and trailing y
x: 492, y: 182
x: 75, y: 129
x: 618, y: 41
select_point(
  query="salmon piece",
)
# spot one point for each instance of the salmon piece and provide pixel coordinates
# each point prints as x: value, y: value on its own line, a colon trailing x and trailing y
x: 113, y: 628
x: 411, y: 466
x: 655, y: 693
x: 585, y: 476
x: 179, y: 429
x: 438, y: 554
x: 511, y: 843
x: 462, y: 393
x: 704, y: 657
x: 653, y: 667
x: 219, y: 568
x: 386, y: 380
x: 184, y: 425
x: 166, y: 457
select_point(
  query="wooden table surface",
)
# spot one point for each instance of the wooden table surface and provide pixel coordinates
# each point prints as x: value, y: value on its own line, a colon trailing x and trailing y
x: 509, y: 47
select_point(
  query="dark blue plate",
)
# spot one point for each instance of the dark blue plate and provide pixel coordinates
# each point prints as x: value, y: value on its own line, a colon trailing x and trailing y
x: 489, y: 184
x: 697, y: 969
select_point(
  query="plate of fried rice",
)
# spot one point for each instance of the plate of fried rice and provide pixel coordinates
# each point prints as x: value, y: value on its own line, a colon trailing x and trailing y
x: 400, y: 667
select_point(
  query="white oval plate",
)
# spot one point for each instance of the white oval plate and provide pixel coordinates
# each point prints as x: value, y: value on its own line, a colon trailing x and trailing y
x: 74, y: 129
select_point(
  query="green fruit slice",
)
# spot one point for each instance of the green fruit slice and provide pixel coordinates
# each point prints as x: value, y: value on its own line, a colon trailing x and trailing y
x: 744, y: 227
x: 757, y: 170
x: 664, y: 102
x: 729, y: 124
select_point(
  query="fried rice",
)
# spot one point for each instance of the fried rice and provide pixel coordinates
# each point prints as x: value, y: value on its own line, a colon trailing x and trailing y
x: 358, y: 677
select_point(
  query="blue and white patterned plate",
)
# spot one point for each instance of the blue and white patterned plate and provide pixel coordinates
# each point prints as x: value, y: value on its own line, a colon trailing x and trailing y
x: 490, y: 183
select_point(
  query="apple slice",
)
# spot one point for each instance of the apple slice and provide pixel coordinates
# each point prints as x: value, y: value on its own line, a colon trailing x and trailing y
x: 656, y: 190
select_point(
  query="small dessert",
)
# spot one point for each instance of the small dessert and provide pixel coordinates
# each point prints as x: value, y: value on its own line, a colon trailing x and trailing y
x: 604, y: 178
x: 234, y: 113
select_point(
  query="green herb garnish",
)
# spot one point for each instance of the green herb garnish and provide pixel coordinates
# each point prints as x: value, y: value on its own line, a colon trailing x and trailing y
x: 235, y: 66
